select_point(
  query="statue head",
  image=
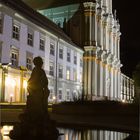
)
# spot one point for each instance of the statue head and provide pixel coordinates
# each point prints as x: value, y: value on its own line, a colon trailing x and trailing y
x: 38, y: 62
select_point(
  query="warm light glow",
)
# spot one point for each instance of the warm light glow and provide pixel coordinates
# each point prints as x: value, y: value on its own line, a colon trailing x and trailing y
x: 25, y: 84
x: 53, y: 97
x: 11, y: 95
x: 68, y: 74
x: 6, y: 129
x: 10, y: 81
x: 123, y: 101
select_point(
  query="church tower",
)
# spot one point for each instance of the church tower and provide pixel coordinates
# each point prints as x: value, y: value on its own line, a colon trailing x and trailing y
x: 101, y: 72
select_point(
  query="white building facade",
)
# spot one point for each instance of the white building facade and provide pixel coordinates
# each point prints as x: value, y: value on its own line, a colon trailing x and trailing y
x: 20, y: 41
x: 102, y: 77
x: 94, y: 71
x: 102, y: 63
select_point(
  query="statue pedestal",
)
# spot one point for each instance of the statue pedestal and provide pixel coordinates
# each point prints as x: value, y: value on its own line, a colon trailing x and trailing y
x: 34, y: 123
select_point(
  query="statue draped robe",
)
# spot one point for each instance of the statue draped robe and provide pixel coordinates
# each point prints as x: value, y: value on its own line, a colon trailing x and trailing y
x: 37, y: 100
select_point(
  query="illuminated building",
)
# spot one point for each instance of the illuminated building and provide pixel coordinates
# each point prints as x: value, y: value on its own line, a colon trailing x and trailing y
x: 93, y: 26
x: 25, y: 33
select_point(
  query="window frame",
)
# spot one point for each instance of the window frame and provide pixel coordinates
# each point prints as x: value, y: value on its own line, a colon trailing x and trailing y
x: 29, y: 63
x: 75, y: 58
x: 61, y: 52
x: 52, y: 49
x: 60, y: 71
x: 15, y: 31
x: 42, y: 44
x: 51, y: 68
x: 68, y: 73
x: 68, y: 55
x: 14, y: 60
x: 30, y: 38
x: 60, y: 96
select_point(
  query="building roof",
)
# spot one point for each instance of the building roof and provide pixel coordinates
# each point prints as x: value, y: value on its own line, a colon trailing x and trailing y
x: 37, y: 18
x: 43, y: 4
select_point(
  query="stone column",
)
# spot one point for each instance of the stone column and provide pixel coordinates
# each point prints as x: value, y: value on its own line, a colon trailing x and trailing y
x: 116, y: 47
x: 101, y: 79
x: 85, y: 74
x: 107, y: 39
x: 94, y: 77
x: 112, y: 85
x: 109, y: 6
x: 125, y: 88
x: 111, y: 41
x: 119, y: 85
x: 99, y: 26
x: 89, y: 82
x: 105, y: 5
x: 116, y: 97
x: 98, y: 77
x: 104, y: 79
x: 104, y: 35
x: 114, y: 43
x: 90, y: 24
x: 90, y: 39
x: 128, y: 95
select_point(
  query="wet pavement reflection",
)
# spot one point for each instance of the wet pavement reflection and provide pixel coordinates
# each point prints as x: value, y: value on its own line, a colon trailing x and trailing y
x: 75, y: 134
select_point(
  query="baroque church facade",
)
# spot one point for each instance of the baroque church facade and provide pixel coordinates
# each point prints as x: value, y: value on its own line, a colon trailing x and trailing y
x: 93, y: 26
x: 81, y: 51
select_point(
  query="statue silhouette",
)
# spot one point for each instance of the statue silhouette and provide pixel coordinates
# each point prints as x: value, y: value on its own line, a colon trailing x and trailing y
x: 37, y: 101
x: 35, y: 121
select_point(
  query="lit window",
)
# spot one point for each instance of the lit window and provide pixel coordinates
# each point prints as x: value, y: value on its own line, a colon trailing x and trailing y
x: 29, y: 63
x: 75, y: 58
x: 30, y: 39
x: 42, y: 44
x: 51, y: 72
x: 60, y: 74
x: 16, y: 31
x: 68, y: 74
x: 14, y: 58
x: 52, y: 49
x: 74, y: 75
x: 68, y: 55
x: 61, y: 52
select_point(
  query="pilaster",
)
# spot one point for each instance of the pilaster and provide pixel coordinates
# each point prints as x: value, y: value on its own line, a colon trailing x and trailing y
x: 90, y: 24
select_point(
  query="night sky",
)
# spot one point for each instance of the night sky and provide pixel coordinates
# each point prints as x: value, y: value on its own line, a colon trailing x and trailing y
x: 128, y: 15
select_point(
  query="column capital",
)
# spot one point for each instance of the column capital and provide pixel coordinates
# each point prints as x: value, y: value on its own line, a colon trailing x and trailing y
x: 89, y: 5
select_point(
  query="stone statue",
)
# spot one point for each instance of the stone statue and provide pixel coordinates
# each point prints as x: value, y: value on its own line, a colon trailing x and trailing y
x: 35, y: 121
x: 37, y: 101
